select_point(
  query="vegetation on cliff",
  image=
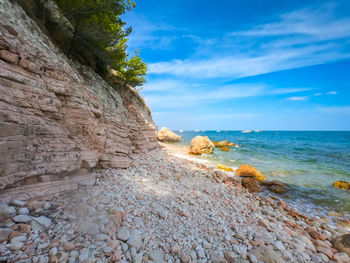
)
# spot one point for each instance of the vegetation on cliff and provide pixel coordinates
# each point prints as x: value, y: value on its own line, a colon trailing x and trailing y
x: 100, y: 37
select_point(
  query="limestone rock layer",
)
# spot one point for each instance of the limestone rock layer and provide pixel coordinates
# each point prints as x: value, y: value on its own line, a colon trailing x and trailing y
x: 58, y: 117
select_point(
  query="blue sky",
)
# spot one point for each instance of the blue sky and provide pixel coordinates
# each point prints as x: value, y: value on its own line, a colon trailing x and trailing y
x: 269, y: 65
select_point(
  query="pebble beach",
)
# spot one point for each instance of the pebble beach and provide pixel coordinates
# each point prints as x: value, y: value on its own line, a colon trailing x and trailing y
x: 164, y: 209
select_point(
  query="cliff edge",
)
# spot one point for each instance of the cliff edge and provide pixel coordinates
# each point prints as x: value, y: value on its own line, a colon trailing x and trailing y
x: 57, y: 117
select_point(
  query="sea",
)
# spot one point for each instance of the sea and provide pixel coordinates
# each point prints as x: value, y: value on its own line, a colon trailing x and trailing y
x: 308, y: 162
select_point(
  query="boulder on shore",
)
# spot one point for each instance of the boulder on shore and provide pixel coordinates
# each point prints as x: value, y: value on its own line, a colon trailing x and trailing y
x: 249, y: 171
x: 251, y: 184
x: 200, y: 145
x: 221, y: 144
x: 166, y: 135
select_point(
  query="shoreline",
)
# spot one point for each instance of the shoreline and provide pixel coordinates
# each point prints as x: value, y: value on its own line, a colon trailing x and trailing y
x: 168, y: 209
x: 334, y: 217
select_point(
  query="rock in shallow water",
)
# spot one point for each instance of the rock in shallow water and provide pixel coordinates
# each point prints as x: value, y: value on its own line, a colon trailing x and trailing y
x: 249, y: 171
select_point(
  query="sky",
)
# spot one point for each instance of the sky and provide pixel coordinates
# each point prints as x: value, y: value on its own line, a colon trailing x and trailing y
x: 235, y: 65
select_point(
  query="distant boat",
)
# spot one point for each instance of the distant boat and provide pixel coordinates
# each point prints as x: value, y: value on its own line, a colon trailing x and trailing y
x: 257, y: 131
x: 246, y: 131
x: 218, y: 131
x: 181, y: 130
x: 196, y: 130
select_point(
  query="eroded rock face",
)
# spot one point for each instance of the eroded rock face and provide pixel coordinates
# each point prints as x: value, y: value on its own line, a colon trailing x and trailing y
x: 58, y: 117
x: 166, y: 135
x: 200, y: 145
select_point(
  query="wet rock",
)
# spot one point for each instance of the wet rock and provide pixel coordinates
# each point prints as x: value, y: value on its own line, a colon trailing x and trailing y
x: 342, y: 185
x: 200, y: 145
x: 277, y: 189
x: 249, y: 171
x: 166, y: 135
x: 225, y: 149
x: 251, y: 184
x: 342, y: 243
x: 275, y: 186
x: 223, y: 144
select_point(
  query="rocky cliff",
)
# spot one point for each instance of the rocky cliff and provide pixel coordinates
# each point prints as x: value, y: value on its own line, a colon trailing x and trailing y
x: 58, y: 119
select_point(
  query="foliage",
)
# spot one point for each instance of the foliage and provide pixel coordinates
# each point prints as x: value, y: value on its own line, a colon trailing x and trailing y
x: 100, y: 37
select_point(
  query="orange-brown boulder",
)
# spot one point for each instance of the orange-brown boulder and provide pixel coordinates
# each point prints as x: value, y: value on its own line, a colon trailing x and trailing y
x: 200, y: 145
x: 249, y: 171
x: 223, y: 144
x: 225, y: 149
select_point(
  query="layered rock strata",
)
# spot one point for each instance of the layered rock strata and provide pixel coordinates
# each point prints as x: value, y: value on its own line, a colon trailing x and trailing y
x: 57, y: 117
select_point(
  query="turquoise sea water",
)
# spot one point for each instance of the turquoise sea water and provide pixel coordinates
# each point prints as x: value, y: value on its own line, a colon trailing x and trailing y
x: 307, y: 161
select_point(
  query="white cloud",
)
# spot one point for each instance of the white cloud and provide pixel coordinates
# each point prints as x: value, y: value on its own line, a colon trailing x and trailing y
x: 317, y: 94
x: 170, y: 93
x: 318, y: 24
x: 296, y: 39
x: 296, y: 98
x: 332, y: 93
x: 335, y: 110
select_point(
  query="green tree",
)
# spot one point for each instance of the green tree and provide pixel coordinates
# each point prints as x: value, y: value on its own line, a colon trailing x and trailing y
x: 100, y: 37
x: 133, y: 71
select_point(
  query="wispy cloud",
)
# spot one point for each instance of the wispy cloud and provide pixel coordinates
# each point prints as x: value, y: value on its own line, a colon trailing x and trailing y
x: 296, y: 39
x: 335, y: 109
x: 317, y: 94
x: 167, y: 93
x: 332, y: 93
x: 296, y: 98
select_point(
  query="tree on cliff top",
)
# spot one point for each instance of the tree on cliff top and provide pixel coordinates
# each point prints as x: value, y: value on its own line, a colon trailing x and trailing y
x: 100, y: 37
